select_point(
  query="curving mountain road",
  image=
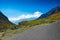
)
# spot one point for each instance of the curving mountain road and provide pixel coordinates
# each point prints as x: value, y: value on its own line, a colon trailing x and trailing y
x: 44, y: 32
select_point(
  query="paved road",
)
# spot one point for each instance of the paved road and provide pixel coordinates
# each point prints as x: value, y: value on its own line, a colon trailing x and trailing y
x: 44, y: 32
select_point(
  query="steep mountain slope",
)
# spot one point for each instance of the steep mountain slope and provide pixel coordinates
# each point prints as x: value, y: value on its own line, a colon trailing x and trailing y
x: 5, y: 23
x: 52, y: 11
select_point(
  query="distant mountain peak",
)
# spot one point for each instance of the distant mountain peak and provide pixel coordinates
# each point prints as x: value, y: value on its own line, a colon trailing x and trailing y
x: 52, y: 11
x: 56, y: 9
x: 57, y: 6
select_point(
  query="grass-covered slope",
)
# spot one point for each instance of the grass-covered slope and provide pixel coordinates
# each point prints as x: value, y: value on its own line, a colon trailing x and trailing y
x: 55, y: 16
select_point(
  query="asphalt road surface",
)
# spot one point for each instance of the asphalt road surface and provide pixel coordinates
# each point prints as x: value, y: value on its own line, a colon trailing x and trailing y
x: 44, y: 32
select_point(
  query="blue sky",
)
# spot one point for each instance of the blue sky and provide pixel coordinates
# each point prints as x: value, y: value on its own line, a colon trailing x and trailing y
x: 15, y: 8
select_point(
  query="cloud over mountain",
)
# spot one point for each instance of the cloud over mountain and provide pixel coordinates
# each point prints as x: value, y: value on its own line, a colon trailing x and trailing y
x: 25, y: 16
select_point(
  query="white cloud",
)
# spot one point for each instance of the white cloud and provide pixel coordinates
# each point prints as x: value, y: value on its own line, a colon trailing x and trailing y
x: 35, y: 15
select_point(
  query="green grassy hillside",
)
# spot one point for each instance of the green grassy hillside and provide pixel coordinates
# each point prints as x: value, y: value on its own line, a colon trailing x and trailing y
x: 55, y: 16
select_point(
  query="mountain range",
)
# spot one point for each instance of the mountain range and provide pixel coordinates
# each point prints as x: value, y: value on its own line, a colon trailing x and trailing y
x: 49, y: 17
x: 52, y: 11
